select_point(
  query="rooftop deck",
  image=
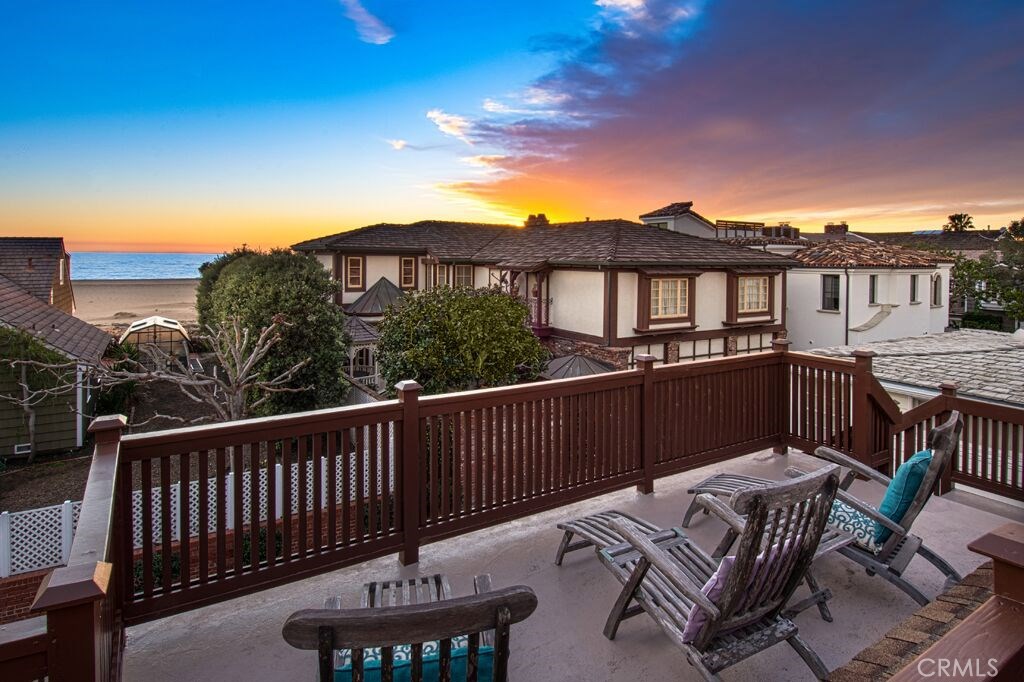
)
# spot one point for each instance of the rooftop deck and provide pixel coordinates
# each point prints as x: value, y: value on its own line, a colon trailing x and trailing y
x: 241, y: 639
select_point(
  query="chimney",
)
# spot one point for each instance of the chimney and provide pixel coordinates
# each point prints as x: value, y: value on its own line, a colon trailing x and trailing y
x: 837, y: 228
x: 536, y: 220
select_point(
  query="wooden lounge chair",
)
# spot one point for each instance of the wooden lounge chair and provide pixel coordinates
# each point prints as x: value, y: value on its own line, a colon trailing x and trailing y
x: 720, y: 612
x: 888, y: 559
x: 464, y: 638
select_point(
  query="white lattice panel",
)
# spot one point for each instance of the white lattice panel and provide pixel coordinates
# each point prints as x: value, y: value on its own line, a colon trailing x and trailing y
x: 36, y: 539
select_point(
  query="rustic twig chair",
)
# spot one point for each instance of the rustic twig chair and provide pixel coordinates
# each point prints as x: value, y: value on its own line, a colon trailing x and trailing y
x: 720, y: 612
x: 402, y: 633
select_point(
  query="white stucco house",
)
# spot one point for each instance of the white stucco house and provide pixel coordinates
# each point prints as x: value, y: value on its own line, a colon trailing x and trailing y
x: 851, y: 293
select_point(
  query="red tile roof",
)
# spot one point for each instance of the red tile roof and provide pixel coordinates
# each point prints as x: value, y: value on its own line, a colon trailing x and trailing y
x: 844, y: 254
x: 588, y: 243
x: 69, y: 335
x: 31, y: 263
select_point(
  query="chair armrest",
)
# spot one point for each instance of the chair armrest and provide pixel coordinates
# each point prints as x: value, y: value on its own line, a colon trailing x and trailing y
x: 722, y: 511
x: 660, y: 560
x: 870, y: 512
x: 852, y: 464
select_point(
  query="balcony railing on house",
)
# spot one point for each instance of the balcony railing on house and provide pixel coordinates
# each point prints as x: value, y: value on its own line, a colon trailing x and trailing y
x: 372, y: 480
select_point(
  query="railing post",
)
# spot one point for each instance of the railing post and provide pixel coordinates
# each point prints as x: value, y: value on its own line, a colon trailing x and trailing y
x: 648, y: 454
x: 861, y: 416
x: 5, y: 544
x: 67, y: 530
x: 781, y: 346
x: 948, y: 389
x: 83, y: 637
x: 408, y: 397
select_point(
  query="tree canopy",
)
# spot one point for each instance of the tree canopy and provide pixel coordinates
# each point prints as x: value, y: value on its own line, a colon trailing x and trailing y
x: 209, y: 273
x: 259, y: 289
x: 996, y: 277
x: 451, y: 339
x: 959, y: 222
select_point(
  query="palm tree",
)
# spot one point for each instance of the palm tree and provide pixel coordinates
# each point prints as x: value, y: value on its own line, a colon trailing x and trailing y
x: 959, y: 222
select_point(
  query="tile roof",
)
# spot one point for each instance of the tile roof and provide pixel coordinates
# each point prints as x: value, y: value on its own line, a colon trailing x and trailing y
x: 818, y: 237
x: 846, y: 254
x: 376, y: 299
x: 574, y: 366
x: 62, y: 332
x: 360, y: 331
x: 764, y: 241
x: 31, y: 263
x: 985, y: 364
x: 587, y: 243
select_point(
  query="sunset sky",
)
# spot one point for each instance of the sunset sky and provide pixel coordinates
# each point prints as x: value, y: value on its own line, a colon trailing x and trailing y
x: 196, y: 126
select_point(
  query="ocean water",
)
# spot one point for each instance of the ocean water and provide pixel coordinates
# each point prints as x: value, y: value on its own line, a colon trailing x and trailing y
x: 100, y: 265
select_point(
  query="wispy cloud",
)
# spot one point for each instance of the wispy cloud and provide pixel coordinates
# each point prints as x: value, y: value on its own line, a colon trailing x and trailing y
x: 397, y: 145
x: 451, y: 124
x: 491, y: 161
x: 370, y: 28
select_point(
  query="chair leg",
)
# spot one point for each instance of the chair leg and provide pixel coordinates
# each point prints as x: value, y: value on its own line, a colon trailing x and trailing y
x: 690, y: 511
x: 563, y: 547
x: 629, y: 590
x: 818, y: 597
x: 812, y: 659
x: 940, y: 563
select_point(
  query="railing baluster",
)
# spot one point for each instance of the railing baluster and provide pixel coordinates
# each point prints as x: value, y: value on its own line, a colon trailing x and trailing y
x: 303, y: 497
x: 346, y: 488
x: 203, y: 526
x: 286, y: 502
x: 165, y: 524
x: 271, y: 479
x: 317, y: 494
x: 185, y: 518
x: 254, y: 506
x: 238, y: 481
x: 147, y: 528
x: 220, y: 501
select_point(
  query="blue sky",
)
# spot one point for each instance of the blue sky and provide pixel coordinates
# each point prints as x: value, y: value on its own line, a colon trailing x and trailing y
x: 199, y: 125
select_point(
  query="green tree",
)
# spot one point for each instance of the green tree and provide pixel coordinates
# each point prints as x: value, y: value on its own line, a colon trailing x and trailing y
x: 209, y: 273
x: 1016, y: 229
x: 959, y: 222
x: 451, y: 339
x: 295, y: 291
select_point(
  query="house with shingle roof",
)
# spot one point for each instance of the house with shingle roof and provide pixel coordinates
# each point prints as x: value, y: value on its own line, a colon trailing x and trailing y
x: 609, y: 289
x: 40, y: 266
x: 680, y: 217
x: 60, y: 420
x: 845, y: 292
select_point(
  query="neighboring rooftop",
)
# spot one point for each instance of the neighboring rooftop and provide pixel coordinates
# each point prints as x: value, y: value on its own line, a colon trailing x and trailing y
x: 360, y: 331
x: 586, y: 243
x: 62, y: 332
x: 575, y: 365
x: 375, y: 300
x: 845, y: 254
x: 31, y: 263
x: 969, y: 240
x: 984, y: 364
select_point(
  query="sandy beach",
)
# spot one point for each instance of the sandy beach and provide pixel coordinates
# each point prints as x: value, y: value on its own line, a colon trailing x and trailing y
x: 117, y: 303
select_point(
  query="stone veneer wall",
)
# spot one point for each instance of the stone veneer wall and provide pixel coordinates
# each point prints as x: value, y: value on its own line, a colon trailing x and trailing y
x: 558, y: 346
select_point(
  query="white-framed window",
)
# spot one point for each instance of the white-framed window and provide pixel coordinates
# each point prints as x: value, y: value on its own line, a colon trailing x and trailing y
x: 463, y: 276
x: 753, y: 294
x: 830, y: 292
x: 873, y: 289
x: 354, y: 266
x: 61, y: 267
x: 936, y: 289
x: 662, y: 226
x: 442, y: 277
x: 670, y: 298
x: 407, y: 272
x: 913, y: 290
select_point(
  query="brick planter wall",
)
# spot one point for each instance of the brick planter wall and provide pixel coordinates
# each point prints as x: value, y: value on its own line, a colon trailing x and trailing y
x: 17, y: 594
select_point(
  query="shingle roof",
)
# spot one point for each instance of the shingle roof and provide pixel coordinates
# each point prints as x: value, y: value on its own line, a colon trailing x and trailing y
x: 62, y: 332
x: 574, y: 366
x: 376, y: 299
x: 984, y: 364
x: 970, y: 240
x: 843, y: 254
x: 592, y: 243
x: 31, y: 263
x: 763, y: 241
x: 671, y: 211
x: 817, y: 237
x: 360, y: 331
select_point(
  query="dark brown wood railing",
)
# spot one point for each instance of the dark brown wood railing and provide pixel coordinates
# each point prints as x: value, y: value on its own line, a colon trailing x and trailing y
x: 177, y: 519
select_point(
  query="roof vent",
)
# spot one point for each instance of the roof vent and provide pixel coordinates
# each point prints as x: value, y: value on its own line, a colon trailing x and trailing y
x: 536, y: 220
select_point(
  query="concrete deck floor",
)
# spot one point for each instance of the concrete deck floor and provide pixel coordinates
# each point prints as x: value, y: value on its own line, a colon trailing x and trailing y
x: 241, y: 639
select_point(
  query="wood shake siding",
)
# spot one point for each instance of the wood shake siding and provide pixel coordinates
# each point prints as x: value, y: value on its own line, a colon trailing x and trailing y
x: 56, y: 420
